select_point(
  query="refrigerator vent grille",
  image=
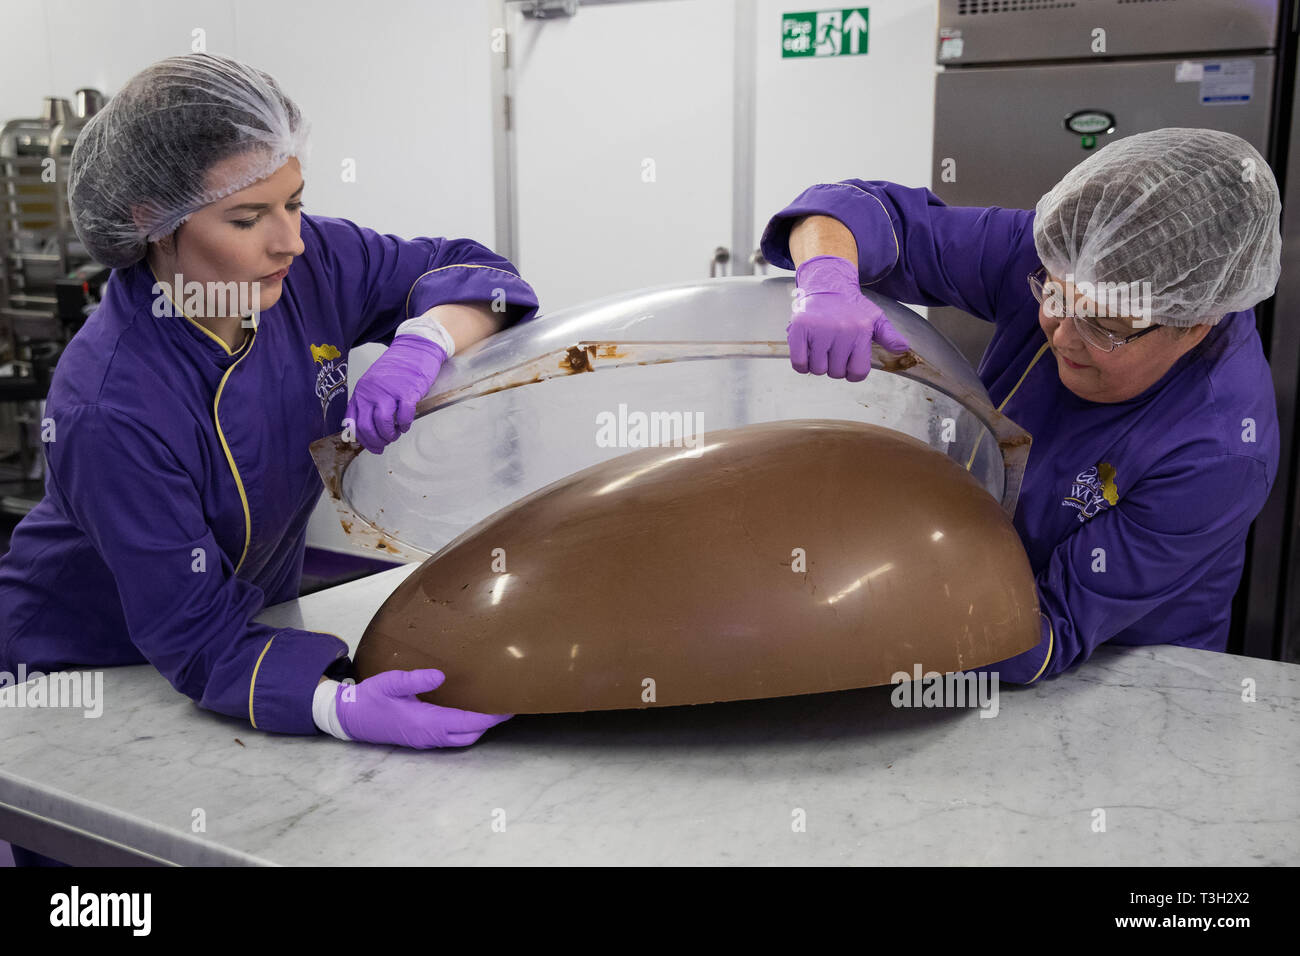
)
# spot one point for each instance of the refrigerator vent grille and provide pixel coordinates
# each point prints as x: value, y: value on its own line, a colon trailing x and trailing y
x: 975, y: 7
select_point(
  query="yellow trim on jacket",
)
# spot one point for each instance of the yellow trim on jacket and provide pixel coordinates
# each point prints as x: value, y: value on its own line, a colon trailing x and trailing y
x: 253, y: 681
x: 1051, y: 643
x: 230, y: 459
x: 245, y: 347
x: 1019, y: 382
x: 897, y: 250
x: 202, y: 328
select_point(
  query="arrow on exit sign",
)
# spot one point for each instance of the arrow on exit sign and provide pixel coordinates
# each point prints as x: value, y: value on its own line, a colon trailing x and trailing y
x: 824, y: 32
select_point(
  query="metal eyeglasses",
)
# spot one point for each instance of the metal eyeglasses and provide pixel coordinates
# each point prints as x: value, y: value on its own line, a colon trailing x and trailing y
x: 1092, y: 334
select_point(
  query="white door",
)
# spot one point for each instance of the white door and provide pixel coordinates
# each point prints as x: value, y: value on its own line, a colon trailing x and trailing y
x: 622, y: 124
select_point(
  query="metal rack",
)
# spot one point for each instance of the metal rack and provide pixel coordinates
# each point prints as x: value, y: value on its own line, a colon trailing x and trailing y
x: 38, y: 239
x: 38, y: 248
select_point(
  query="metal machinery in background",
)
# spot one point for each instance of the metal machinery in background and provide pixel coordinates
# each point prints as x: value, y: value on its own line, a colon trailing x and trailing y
x: 1027, y: 89
x: 48, y: 283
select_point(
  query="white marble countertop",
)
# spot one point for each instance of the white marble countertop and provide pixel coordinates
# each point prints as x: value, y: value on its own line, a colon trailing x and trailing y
x: 1159, y: 738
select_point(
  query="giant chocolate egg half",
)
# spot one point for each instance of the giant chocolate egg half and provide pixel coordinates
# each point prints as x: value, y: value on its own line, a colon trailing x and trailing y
x: 785, y: 558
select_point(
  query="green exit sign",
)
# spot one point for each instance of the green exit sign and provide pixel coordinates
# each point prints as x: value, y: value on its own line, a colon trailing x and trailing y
x: 824, y: 32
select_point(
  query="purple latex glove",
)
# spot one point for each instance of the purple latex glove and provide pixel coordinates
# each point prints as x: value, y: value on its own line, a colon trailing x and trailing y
x: 384, y: 710
x: 383, y: 403
x: 833, y: 323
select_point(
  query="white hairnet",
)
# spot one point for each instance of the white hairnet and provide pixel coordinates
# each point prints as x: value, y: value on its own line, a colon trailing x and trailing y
x: 144, y: 163
x: 1192, y: 211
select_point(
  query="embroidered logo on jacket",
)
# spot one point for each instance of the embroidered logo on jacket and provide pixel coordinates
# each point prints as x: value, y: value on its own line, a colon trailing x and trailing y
x: 1093, y: 490
x: 332, y: 377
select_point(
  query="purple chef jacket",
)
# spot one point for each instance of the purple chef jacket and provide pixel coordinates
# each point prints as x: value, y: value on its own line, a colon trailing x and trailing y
x: 1134, y: 514
x: 179, y: 481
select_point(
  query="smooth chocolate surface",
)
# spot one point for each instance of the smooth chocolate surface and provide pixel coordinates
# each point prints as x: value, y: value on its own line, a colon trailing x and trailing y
x: 785, y: 558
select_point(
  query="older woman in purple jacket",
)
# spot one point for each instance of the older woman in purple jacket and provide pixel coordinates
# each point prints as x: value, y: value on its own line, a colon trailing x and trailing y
x: 1124, y: 341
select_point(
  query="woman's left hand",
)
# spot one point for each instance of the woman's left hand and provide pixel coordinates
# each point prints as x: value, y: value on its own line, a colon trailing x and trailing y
x: 383, y: 403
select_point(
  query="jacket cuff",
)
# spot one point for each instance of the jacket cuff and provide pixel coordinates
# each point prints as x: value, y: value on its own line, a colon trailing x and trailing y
x: 1029, y: 666
x: 863, y: 214
x: 285, y: 677
x: 471, y: 282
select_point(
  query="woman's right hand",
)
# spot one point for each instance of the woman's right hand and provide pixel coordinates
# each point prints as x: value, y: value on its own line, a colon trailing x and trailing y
x: 384, y: 709
x: 833, y: 324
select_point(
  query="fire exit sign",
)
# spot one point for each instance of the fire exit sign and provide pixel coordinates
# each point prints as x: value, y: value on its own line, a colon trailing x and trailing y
x: 824, y: 32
